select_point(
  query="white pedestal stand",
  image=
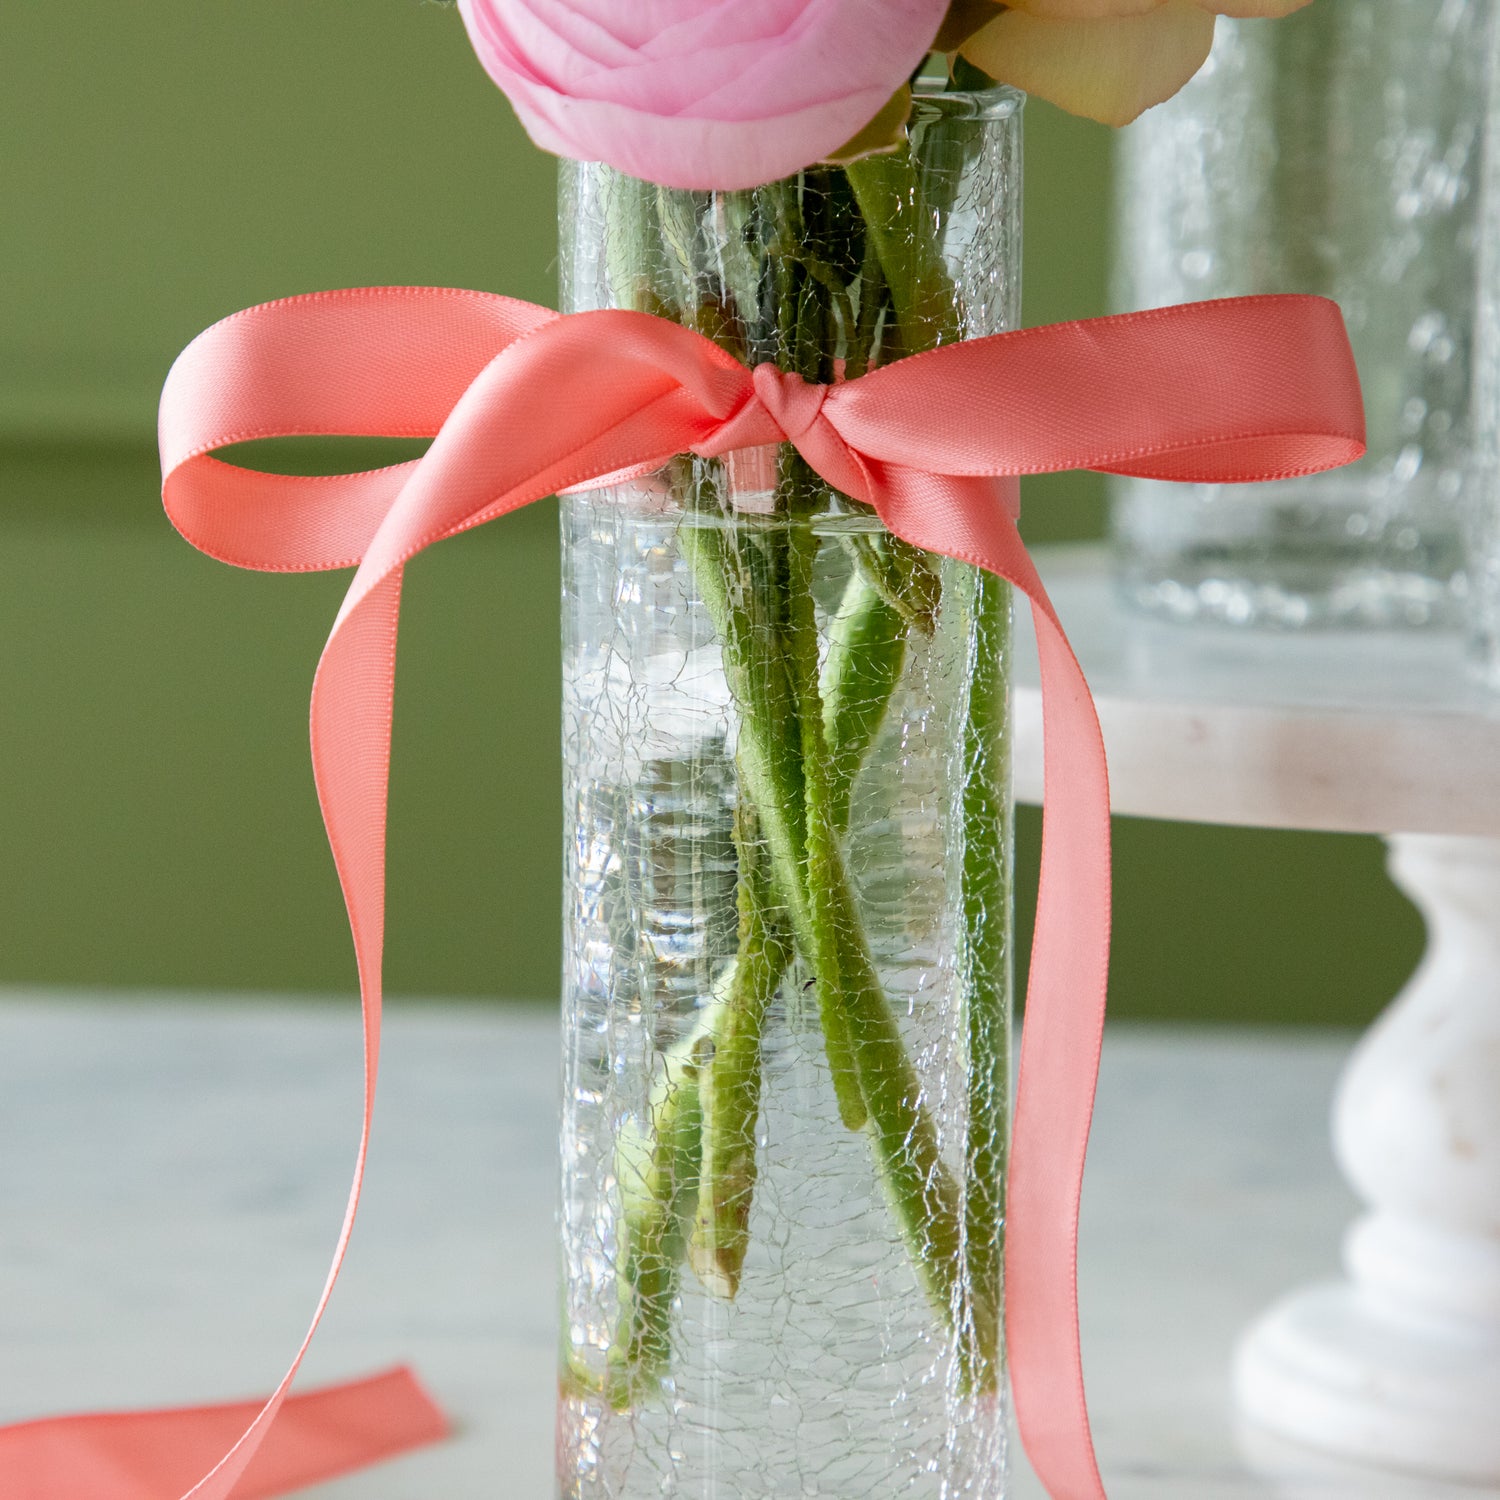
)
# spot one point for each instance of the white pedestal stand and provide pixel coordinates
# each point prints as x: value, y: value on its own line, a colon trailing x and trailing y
x: 1398, y: 1364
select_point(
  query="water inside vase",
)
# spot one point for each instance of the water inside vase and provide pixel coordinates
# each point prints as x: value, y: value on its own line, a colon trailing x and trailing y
x: 828, y: 1373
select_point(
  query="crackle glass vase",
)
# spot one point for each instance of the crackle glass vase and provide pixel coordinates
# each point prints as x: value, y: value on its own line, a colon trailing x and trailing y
x: 1336, y: 151
x: 788, y: 915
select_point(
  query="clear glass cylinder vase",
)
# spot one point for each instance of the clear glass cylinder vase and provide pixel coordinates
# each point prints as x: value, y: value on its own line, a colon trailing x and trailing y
x: 1336, y: 151
x: 788, y: 917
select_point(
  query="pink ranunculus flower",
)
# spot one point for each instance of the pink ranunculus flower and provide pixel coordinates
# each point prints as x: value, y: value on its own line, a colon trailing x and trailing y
x: 700, y: 93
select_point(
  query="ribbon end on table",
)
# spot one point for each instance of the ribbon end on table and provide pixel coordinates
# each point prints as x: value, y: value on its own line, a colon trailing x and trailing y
x: 158, y: 1455
x: 340, y: 1429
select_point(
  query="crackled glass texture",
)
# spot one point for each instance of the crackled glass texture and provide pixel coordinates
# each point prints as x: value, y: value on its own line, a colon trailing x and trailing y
x: 763, y: 1294
x: 1336, y: 151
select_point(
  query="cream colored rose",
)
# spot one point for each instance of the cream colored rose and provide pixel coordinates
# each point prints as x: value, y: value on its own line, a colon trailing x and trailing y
x: 1107, y: 59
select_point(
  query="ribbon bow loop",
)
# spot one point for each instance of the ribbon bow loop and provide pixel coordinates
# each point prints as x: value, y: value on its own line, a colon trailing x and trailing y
x: 520, y: 403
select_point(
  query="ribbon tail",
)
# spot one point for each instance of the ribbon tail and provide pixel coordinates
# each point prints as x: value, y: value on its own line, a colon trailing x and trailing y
x: 145, y: 1455
x: 973, y: 520
x: 1061, y: 1040
x: 352, y: 701
x: 149, y: 1455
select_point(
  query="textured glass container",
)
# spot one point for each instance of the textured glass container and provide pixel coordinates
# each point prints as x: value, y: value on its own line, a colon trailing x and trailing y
x: 788, y: 921
x: 1336, y: 151
x: 1482, y: 500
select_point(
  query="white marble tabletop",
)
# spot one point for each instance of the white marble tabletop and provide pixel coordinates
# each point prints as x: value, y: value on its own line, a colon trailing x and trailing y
x: 172, y: 1174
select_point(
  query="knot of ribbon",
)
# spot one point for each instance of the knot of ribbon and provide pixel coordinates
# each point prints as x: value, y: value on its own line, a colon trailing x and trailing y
x: 792, y: 403
x: 521, y: 403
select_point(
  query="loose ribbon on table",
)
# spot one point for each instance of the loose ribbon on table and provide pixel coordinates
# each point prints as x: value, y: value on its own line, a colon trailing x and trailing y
x: 521, y: 403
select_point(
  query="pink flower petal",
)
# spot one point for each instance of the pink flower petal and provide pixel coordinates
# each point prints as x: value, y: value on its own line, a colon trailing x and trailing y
x: 699, y: 93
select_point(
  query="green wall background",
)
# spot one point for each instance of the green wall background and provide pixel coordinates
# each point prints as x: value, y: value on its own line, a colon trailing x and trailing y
x: 165, y: 162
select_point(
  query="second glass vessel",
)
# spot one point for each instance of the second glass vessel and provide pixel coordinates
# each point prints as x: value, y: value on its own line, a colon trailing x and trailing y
x: 1336, y: 151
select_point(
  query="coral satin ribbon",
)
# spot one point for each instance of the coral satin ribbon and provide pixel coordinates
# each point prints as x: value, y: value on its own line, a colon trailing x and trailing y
x: 521, y: 403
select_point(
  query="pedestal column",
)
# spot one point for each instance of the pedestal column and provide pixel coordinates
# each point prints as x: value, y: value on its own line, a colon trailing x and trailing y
x: 1399, y: 1363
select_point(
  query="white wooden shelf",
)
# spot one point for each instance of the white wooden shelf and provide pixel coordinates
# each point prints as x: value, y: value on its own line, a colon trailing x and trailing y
x: 1362, y: 732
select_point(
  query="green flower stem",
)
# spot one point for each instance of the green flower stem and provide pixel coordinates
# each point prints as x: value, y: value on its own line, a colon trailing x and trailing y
x: 712, y: 1099
x: 661, y: 1172
x: 745, y: 598
x: 730, y: 1082
x: 856, y: 1018
x: 659, y: 1184
x: 985, y: 955
x: 819, y: 938
x: 804, y: 733
x: 887, y: 189
x: 859, y: 676
x: 870, y: 303
x: 703, y: 1110
x: 927, y: 1203
x: 902, y: 579
x: 704, y: 1106
x: 866, y: 654
x: 737, y: 580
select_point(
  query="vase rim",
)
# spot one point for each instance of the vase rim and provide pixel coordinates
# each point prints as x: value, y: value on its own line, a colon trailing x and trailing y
x: 931, y: 101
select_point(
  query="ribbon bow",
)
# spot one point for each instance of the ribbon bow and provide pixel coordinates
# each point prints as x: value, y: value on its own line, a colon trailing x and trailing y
x: 521, y: 403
